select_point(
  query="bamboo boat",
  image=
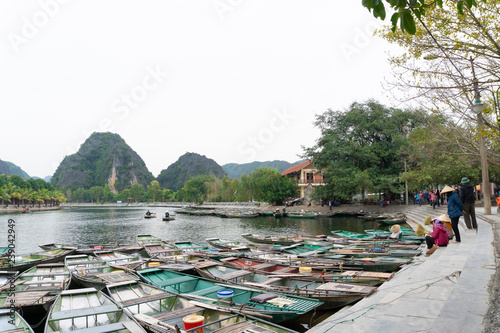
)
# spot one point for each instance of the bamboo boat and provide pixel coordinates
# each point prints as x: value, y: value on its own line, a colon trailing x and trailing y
x: 91, y: 272
x: 332, y: 294
x: 22, y: 263
x: 12, y: 322
x: 322, y: 275
x: 89, y: 310
x: 279, y: 307
x: 36, y: 289
x: 156, y: 310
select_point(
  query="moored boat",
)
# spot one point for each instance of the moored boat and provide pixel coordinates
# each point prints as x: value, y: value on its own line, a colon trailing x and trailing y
x: 351, y: 235
x: 11, y: 321
x: 91, y: 272
x: 279, y: 307
x: 227, y: 245
x: 332, y: 294
x: 279, y: 240
x: 89, y: 310
x: 22, y: 263
x: 36, y: 289
x: 156, y: 308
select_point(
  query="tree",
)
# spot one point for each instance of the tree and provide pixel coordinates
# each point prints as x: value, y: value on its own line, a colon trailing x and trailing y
x: 155, y: 191
x: 405, y: 12
x: 136, y: 192
x: 275, y: 188
x: 196, y: 188
x: 168, y: 195
x: 107, y: 195
x: 96, y: 193
x: 78, y: 194
x: 361, y: 147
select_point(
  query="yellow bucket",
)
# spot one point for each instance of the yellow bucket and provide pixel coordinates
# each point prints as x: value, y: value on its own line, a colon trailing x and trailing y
x: 305, y: 270
x: 151, y: 264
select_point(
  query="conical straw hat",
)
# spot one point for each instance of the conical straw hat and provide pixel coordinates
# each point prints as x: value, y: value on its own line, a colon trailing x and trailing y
x: 444, y: 218
x: 447, y: 189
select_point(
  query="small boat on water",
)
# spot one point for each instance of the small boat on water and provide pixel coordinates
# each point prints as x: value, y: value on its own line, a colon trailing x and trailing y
x: 89, y: 310
x: 150, y: 216
x: 190, y: 246
x: 91, y: 272
x: 227, y: 245
x: 89, y: 249
x: 155, y: 309
x: 376, y: 251
x: 7, y: 276
x: 279, y: 240
x: 12, y: 322
x: 300, y: 215
x: 22, y: 263
x: 332, y: 294
x: 120, y: 260
x: 36, y: 289
x: 168, y: 218
x: 308, y: 273
x: 351, y: 235
x: 279, y: 307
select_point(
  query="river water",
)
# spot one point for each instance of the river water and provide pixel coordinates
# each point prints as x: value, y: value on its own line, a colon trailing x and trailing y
x: 101, y: 225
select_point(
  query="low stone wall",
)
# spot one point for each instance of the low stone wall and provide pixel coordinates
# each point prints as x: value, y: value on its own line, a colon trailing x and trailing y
x: 14, y: 209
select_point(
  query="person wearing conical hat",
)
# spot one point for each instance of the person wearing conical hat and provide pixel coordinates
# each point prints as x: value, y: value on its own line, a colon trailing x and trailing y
x: 467, y: 197
x: 396, y: 232
x: 439, y: 235
x: 455, y: 208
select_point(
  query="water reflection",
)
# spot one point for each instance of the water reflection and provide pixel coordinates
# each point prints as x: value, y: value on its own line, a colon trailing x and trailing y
x: 85, y: 226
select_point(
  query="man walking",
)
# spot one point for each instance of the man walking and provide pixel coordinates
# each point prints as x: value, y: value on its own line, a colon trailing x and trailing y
x: 467, y: 198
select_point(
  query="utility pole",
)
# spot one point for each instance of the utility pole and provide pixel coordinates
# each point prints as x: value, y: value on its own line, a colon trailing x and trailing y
x: 406, y: 187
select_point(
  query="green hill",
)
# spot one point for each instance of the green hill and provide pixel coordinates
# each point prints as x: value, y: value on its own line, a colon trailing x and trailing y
x: 9, y: 168
x: 235, y: 170
x: 188, y: 165
x: 104, y: 158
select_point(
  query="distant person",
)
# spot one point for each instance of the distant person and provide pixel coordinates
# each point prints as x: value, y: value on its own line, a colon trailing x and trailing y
x: 467, y: 197
x: 433, y: 199
x: 167, y: 214
x: 148, y: 213
x: 455, y: 209
x: 439, y: 235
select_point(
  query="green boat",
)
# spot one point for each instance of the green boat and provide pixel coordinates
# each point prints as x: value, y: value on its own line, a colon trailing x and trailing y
x: 302, y: 215
x: 407, y: 235
x: 352, y: 235
x: 311, y: 248
x: 190, y: 246
x: 332, y: 294
x: 22, y: 263
x: 148, y: 239
x: 13, y: 322
x: 89, y: 310
x: 275, y: 240
x: 278, y: 307
x: 155, y: 308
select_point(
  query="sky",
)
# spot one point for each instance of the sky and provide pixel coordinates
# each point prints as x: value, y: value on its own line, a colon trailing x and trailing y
x: 234, y: 80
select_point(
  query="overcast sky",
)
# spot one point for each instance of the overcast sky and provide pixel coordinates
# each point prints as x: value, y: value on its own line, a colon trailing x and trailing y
x: 234, y: 80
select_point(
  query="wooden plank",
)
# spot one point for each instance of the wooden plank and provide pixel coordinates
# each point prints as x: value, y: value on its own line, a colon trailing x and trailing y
x: 177, y: 313
x: 262, y: 266
x: 345, y: 287
x: 271, y: 280
x: 150, y: 298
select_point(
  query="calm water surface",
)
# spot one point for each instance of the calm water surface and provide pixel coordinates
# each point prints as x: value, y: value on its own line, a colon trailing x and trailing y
x: 89, y: 226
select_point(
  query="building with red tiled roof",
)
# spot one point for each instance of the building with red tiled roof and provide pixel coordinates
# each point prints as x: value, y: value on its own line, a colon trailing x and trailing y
x: 306, y: 176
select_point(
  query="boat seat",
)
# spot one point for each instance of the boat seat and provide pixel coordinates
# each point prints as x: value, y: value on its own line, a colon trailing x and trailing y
x: 101, y: 329
x: 45, y: 275
x: 178, y: 280
x: 76, y: 313
x: 145, y: 299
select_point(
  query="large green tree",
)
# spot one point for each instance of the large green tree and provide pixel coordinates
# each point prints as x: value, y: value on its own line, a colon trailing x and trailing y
x: 360, y: 149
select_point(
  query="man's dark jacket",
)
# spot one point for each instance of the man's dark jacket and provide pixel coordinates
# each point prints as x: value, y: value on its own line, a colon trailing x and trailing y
x: 467, y: 193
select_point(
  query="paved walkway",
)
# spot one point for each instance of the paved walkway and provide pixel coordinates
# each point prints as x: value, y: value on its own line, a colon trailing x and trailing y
x: 445, y: 292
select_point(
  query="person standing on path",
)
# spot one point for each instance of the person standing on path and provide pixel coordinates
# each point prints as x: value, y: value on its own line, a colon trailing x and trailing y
x: 467, y: 197
x: 455, y: 209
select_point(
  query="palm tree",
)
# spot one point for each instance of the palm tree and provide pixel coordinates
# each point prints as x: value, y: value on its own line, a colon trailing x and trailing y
x: 13, y: 192
x: 4, y: 196
x: 44, y: 195
x: 36, y: 199
x: 25, y: 194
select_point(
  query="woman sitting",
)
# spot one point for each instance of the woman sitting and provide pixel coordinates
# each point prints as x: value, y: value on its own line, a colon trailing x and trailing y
x: 439, y: 235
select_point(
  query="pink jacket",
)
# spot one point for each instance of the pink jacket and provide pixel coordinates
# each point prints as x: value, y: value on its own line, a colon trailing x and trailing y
x: 433, y: 196
x: 440, y: 235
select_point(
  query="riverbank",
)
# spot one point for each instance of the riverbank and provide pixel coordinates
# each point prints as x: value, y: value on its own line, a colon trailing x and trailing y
x: 10, y: 209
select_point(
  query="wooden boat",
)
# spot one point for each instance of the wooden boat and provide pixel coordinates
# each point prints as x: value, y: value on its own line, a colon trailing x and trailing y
x: 227, y: 245
x: 332, y: 294
x: 157, y: 248
x: 406, y: 235
x: 7, y: 276
x: 22, y: 263
x: 351, y: 235
x: 155, y: 308
x: 252, y: 299
x: 120, y: 260
x: 376, y: 251
x: 91, y: 272
x: 89, y: 310
x: 12, y: 322
x: 169, y: 218
x: 375, y: 264
x: 150, y: 215
x: 294, y: 215
x: 190, y: 246
x: 322, y: 275
x: 148, y: 239
x: 280, y: 240
x: 392, y: 221
x: 309, y: 249
x: 36, y: 289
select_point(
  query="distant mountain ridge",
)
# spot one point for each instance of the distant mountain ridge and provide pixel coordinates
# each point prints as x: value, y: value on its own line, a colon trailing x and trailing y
x: 9, y: 168
x: 104, y: 158
x: 235, y: 170
x: 188, y: 165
